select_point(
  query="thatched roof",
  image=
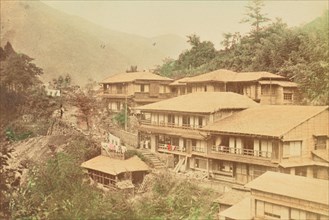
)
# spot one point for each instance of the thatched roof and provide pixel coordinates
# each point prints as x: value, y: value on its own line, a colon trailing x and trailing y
x: 223, y: 75
x: 299, y: 187
x: 115, y: 166
x: 130, y: 77
x: 267, y: 120
x: 201, y: 102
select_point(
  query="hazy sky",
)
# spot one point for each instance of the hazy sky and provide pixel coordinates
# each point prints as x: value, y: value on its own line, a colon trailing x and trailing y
x: 208, y: 19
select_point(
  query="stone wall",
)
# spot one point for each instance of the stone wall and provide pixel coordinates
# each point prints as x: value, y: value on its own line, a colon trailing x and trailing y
x: 127, y: 138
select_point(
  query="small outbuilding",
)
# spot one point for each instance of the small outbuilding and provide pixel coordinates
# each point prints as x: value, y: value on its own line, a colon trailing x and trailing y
x: 116, y: 173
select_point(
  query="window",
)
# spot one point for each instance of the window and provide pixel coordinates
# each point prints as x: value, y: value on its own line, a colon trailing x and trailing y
x: 301, y: 171
x: 272, y: 211
x: 268, y: 90
x: 171, y: 119
x: 292, y: 149
x: 175, y: 141
x: 263, y: 148
x: 186, y: 121
x: 200, y: 119
x: 182, y: 91
x: 320, y: 142
x: 119, y: 89
x: 142, y: 88
x: 235, y: 145
x: 200, y: 163
x: 297, y: 214
x: 118, y: 105
x: 287, y: 96
x: 226, y: 166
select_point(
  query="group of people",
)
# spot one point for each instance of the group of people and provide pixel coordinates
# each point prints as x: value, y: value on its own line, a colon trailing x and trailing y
x: 114, y: 148
x: 144, y: 144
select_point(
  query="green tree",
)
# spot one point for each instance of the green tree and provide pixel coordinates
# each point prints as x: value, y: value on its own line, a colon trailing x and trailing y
x: 58, y: 190
x: 167, y: 68
x: 87, y: 107
x: 199, y: 54
x: 18, y: 73
x: 309, y: 65
x: 255, y: 17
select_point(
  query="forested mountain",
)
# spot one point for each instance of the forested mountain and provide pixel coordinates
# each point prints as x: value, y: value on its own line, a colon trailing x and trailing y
x: 300, y: 53
x: 63, y: 44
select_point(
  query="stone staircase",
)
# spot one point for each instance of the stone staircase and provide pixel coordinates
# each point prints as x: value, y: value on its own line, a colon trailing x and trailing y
x: 157, y: 164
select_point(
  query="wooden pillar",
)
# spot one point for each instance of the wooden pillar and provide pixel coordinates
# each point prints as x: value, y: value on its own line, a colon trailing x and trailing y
x: 208, y: 168
x: 153, y: 143
x: 309, y: 171
x: 292, y: 170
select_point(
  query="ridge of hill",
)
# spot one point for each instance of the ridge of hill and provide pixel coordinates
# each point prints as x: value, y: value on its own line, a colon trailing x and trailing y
x: 62, y: 43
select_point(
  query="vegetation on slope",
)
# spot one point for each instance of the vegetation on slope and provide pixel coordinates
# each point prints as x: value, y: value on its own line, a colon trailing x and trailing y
x: 300, y: 54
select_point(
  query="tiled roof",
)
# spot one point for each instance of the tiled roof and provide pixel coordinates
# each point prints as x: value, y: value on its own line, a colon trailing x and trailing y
x: 299, y: 187
x: 130, y: 77
x: 223, y: 75
x: 267, y: 120
x: 202, y: 102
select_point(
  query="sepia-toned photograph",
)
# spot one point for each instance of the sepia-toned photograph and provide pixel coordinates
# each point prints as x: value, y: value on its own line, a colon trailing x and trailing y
x: 164, y: 110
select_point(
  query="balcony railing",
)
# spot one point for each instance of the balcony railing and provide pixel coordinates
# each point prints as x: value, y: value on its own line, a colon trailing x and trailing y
x: 170, y: 147
x: 199, y: 149
x: 145, y: 95
x: 245, y: 152
x: 169, y: 124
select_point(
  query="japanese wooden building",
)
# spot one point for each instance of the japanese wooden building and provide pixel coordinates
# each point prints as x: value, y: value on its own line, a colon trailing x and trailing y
x: 263, y: 87
x: 282, y: 196
x: 135, y: 89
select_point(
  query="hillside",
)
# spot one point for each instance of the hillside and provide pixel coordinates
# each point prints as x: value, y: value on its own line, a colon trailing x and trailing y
x: 62, y: 43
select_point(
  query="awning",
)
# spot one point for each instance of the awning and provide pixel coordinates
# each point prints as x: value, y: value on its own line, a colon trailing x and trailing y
x: 280, y: 83
x: 304, y: 162
x: 322, y: 153
x: 187, y: 133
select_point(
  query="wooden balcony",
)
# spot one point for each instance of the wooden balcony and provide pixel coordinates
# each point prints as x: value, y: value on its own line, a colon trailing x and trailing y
x: 169, y: 124
x: 172, y: 149
x: 199, y: 149
x: 145, y: 95
x: 242, y: 155
x: 245, y: 152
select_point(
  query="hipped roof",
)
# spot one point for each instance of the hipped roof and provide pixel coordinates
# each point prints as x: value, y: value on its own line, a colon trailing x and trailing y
x: 232, y: 197
x: 241, y: 210
x: 267, y: 120
x: 130, y: 77
x: 179, y: 82
x: 115, y: 166
x: 223, y: 75
x: 201, y: 102
x: 299, y: 187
